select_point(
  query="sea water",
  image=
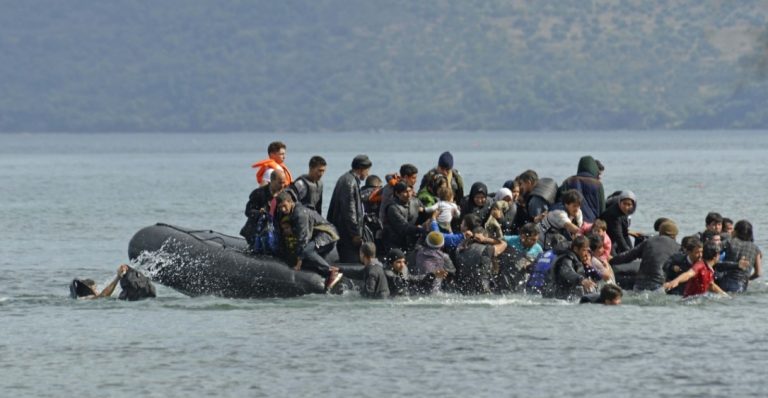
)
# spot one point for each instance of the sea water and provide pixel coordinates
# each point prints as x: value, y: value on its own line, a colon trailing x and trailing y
x: 69, y: 204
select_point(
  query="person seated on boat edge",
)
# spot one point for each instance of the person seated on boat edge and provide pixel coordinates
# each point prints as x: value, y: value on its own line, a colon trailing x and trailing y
x: 134, y: 286
x: 474, y: 262
x: 609, y: 295
x: 564, y: 219
x: 586, y: 182
x: 683, y: 261
x: 741, y: 250
x: 308, y: 188
x: 701, y: 277
x: 620, y: 205
x: 400, y: 230
x: 260, y: 210
x: 566, y: 278
x: 476, y: 202
x: 276, y: 161
x: 403, y: 283
x: 346, y: 212
x: 516, y: 262
x: 315, y: 238
x: 654, y: 253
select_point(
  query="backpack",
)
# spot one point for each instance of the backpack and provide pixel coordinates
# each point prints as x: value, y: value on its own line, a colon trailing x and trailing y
x: 538, y: 277
x: 265, y: 240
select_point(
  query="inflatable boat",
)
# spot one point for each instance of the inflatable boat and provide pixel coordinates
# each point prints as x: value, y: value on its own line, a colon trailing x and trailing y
x: 205, y: 262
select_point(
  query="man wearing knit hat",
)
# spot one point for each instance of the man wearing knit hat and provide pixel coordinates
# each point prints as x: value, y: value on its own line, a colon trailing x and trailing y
x: 430, y: 258
x: 445, y: 167
x: 653, y: 252
x: 346, y: 209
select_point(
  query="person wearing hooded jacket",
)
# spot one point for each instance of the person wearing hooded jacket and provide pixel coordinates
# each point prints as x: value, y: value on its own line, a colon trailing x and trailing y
x: 399, y: 224
x: 654, y: 253
x: 477, y: 202
x: 452, y: 176
x: 586, y: 181
x: 616, y: 217
x: 567, y: 274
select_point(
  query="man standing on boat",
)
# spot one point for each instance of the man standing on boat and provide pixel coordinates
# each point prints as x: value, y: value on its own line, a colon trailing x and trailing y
x: 308, y: 189
x: 275, y: 161
x: 346, y: 209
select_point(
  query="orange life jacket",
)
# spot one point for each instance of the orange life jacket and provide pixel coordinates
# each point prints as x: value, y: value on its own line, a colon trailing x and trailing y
x: 264, y: 165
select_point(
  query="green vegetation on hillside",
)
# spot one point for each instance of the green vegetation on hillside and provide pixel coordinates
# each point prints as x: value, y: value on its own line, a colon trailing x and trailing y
x: 194, y: 65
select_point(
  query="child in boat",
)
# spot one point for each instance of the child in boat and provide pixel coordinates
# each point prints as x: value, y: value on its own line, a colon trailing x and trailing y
x: 701, y: 277
x: 445, y: 208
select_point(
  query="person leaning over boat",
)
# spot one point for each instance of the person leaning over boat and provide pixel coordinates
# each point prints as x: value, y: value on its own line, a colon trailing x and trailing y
x: 308, y: 189
x: 403, y: 283
x: 609, y: 295
x: 586, y: 182
x: 315, y: 238
x: 654, y: 252
x: 346, y: 210
x: 275, y: 161
x: 564, y: 219
x: 260, y: 209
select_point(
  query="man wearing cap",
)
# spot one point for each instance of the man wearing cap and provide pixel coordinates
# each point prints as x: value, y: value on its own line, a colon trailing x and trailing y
x: 346, y: 209
x: 400, y: 230
x: 653, y: 252
x: 445, y: 168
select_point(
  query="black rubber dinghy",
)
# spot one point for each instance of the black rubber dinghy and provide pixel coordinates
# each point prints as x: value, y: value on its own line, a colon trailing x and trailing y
x: 204, y: 262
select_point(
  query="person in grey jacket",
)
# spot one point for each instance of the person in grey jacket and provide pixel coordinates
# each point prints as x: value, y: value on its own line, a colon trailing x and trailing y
x: 315, y: 238
x: 346, y: 209
x: 654, y: 253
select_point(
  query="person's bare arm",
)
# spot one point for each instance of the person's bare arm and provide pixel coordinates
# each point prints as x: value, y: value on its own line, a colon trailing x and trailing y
x: 684, y: 277
x: 121, y: 270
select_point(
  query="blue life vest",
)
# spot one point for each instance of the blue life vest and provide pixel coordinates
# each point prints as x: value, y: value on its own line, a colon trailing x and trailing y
x: 265, y: 240
x: 538, y: 276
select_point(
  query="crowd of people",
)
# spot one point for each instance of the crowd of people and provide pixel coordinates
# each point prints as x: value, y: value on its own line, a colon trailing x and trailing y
x: 531, y: 235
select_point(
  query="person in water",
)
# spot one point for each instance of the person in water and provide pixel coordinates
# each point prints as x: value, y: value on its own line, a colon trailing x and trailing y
x: 346, y: 209
x: 567, y: 276
x: 475, y: 259
x: 403, y: 283
x: 315, y: 238
x: 609, y: 295
x: 516, y: 262
x: 87, y: 289
x: 308, y: 188
x: 654, y: 253
x: 430, y: 259
x: 701, y: 277
x: 741, y: 249
x: 275, y: 161
x: 680, y: 263
x: 374, y: 280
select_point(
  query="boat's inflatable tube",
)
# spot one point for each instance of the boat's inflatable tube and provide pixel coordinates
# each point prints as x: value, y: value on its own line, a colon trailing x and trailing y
x: 204, y: 262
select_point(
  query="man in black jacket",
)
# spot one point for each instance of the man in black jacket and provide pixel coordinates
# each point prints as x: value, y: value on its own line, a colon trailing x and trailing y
x: 346, y: 209
x: 653, y: 253
x: 260, y: 205
x: 308, y: 189
x: 315, y: 238
x: 400, y: 230
x: 567, y: 274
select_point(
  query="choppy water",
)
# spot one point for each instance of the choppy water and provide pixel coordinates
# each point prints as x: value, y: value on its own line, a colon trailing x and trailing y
x: 69, y: 204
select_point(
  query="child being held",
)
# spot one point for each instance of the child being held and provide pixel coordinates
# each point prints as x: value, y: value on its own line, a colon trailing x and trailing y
x: 445, y: 209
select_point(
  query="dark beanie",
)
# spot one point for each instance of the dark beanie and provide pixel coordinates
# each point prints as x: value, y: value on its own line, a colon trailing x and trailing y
x: 446, y: 160
x: 361, y: 162
x: 395, y: 254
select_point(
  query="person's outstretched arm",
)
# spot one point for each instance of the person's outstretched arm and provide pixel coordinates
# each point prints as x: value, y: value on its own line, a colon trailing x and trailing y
x: 121, y: 270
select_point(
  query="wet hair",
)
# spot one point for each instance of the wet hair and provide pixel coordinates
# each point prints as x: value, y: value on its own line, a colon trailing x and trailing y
x: 316, y: 161
x: 408, y: 170
x: 579, y: 242
x: 600, y: 224
x: 529, y: 229
x: 571, y: 196
x: 727, y: 220
x: 743, y: 231
x: 472, y: 221
x: 595, y: 242
x: 528, y: 176
x: 713, y: 217
x: 691, y: 243
x: 368, y: 249
x: 88, y: 282
x: 610, y: 292
x: 707, y: 236
x: 275, y: 147
x: 282, y: 197
x: 710, y: 252
x: 658, y: 222
x: 373, y: 181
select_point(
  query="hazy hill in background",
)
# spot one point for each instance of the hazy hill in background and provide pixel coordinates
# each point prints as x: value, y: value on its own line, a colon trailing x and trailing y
x: 194, y: 65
